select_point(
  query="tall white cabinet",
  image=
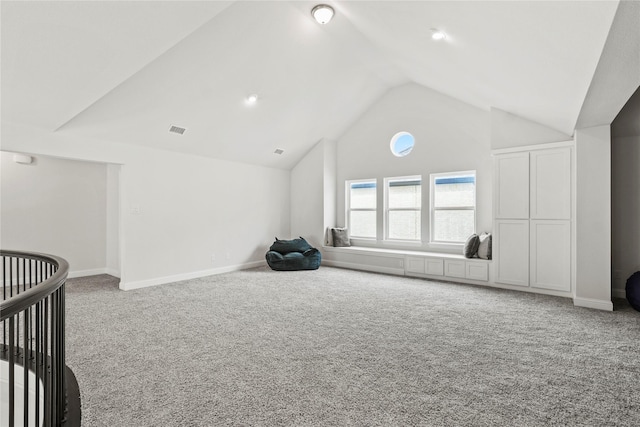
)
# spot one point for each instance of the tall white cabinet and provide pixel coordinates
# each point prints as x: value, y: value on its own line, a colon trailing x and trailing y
x: 532, y: 217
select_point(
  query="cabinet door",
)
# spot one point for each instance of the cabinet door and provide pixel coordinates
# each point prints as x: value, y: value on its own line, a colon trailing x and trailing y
x: 551, y: 184
x: 551, y: 255
x: 434, y: 266
x: 454, y: 268
x: 512, y: 186
x: 477, y: 271
x: 512, y: 252
x: 415, y: 265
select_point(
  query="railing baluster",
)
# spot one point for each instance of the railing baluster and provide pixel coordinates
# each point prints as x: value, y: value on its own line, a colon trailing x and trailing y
x: 10, y: 277
x: 25, y: 367
x: 63, y: 371
x: 54, y: 358
x: 38, y: 361
x: 11, y: 373
x: 4, y: 297
x: 47, y: 373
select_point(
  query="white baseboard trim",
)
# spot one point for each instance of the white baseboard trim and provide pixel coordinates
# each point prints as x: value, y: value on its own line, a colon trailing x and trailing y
x: 113, y: 272
x: 364, y: 267
x: 187, y: 276
x: 593, y: 303
x: 618, y: 293
x: 85, y: 273
x: 70, y: 275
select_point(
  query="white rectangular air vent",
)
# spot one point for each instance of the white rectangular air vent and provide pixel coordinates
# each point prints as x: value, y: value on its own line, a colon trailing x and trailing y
x: 176, y: 129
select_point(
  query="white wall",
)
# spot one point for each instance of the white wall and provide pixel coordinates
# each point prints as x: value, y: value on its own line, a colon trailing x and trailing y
x: 509, y: 130
x: 313, y: 193
x: 625, y: 200
x: 330, y: 186
x: 55, y: 206
x: 593, y: 218
x: 113, y: 220
x: 178, y: 210
x: 625, y: 194
x: 450, y: 136
x: 307, y: 197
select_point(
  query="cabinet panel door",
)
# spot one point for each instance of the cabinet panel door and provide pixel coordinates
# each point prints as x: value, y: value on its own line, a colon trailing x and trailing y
x: 551, y: 255
x: 477, y: 271
x: 512, y: 252
x: 434, y: 266
x: 551, y: 184
x: 415, y: 265
x: 512, y: 186
x: 454, y: 268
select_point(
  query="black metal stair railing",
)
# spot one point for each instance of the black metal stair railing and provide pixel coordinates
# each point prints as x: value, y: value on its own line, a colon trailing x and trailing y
x: 32, y: 313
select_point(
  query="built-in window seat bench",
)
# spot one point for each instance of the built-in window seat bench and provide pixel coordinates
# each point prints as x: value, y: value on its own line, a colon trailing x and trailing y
x: 435, y: 265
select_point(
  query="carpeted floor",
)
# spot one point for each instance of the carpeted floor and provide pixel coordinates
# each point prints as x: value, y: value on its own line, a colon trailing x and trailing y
x: 336, y: 347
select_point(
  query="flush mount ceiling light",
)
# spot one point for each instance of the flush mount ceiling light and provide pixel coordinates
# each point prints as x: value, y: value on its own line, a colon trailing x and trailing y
x: 251, y: 99
x: 437, y: 34
x: 322, y: 13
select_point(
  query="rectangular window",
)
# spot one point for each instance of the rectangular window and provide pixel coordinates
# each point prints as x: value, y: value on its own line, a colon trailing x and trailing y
x: 403, y: 201
x: 453, y: 206
x: 361, y: 208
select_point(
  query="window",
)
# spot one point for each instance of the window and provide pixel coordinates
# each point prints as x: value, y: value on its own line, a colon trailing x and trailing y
x: 361, y: 208
x: 401, y: 144
x: 453, y: 206
x: 403, y: 206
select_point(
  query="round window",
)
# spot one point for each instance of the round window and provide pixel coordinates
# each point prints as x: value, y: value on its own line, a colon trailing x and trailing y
x: 402, y: 143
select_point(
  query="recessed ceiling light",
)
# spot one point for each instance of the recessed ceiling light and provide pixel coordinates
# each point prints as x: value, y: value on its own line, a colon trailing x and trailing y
x: 251, y: 99
x: 322, y: 13
x: 437, y: 34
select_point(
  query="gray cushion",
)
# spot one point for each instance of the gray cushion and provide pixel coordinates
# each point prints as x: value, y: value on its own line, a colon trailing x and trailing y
x: 471, y: 246
x: 340, y: 237
x: 484, y: 248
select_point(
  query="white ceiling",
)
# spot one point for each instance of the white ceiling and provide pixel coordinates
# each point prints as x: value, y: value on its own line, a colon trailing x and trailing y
x: 126, y: 71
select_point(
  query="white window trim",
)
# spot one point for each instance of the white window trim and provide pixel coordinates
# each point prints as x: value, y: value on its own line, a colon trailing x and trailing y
x: 387, y: 239
x: 347, y: 219
x: 432, y: 178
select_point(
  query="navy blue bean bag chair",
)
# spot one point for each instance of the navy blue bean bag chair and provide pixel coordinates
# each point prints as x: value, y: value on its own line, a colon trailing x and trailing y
x: 633, y: 290
x: 291, y: 255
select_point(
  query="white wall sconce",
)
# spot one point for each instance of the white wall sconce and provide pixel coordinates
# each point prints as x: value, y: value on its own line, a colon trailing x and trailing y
x: 322, y: 13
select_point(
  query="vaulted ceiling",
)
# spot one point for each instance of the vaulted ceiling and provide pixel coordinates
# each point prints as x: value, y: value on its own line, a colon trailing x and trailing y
x: 125, y: 71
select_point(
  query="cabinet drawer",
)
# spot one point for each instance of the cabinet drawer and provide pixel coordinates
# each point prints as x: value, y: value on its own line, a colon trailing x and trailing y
x: 454, y: 268
x: 477, y: 271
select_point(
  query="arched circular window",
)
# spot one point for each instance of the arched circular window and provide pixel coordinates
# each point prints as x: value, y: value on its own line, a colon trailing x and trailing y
x: 402, y: 143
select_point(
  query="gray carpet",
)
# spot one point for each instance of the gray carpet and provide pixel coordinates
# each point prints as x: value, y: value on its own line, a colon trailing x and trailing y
x: 336, y: 347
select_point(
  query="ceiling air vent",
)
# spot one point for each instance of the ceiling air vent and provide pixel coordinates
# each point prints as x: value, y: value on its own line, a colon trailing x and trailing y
x: 176, y: 129
x: 278, y: 151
